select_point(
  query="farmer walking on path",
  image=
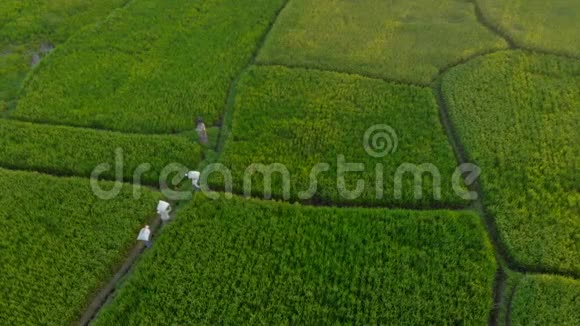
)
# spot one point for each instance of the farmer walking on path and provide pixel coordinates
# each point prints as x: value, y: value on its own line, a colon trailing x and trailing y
x: 201, y: 131
x: 144, y: 235
x: 163, y: 209
x: 194, y: 176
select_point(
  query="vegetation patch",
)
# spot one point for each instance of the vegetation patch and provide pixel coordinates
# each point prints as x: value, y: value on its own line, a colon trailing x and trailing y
x: 403, y: 40
x: 75, y: 151
x: 537, y: 24
x: 29, y: 29
x: 245, y: 261
x: 59, y: 243
x: 517, y: 116
x: 152, y: 67
x: 546, y: 300
x: 301, y: 118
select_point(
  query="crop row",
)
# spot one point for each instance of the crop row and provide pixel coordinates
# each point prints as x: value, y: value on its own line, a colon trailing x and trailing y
x: 246, y: 261
x: 151, y: 67
x: 546, y: 300
x: 517, y: 116
x: 537, y: 24
x: 29, y: 29
x: 75, y: 151
x: 402, y: 40
x: 301, y: 118
x: 59, y: 243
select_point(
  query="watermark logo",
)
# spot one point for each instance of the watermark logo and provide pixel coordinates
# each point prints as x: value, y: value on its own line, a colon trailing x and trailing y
x: 379, y: 141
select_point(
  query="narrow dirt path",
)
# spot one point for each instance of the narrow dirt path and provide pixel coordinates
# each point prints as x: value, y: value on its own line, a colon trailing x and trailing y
x: 491, y: 27
x: 107, y: 292
x: 477, y: 205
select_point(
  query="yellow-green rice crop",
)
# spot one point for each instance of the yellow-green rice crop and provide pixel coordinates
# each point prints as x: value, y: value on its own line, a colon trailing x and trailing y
x: 537, y: 24
x: 249, y: 262
x: 29, y: 29
x: 300, y: 118
x: 399, y: 39
x: 517, y: 116
x: 75, y: 151
x: 59, y: 243
x: 152, y: 67
x: 546, y: 300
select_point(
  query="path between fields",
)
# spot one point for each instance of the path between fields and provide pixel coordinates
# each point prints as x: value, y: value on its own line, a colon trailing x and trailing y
x: 106, y: 293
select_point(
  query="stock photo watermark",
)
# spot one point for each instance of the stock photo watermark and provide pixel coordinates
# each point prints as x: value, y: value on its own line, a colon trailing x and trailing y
x: 378, y: 141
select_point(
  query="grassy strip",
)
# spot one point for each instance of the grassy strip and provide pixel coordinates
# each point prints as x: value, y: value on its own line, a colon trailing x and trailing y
x: 239, y: 261
x: 59, y: 243
x: 378, y: 38
x: 299, y: 118
x: 153, y: 67
x: 30, y: 28
x: 516, y: 115
x: 504, y: 301
x: 546, y: 300
x: 74, y: 151
x: 537, y: 24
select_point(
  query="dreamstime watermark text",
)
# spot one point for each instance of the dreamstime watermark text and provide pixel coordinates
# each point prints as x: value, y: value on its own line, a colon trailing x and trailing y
x: 379, y: 141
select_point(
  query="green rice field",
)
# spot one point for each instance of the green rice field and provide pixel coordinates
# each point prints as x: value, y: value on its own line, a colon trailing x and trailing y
x: 360, y: 162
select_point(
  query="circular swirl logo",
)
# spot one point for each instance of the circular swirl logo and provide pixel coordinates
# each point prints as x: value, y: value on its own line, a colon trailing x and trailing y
x: 380, y: 141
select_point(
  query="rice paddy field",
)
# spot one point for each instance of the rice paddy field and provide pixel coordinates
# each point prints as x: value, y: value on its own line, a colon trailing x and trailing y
x: 536, y: 24
x: 361, y: 162
x: 59, y: 243
x: 77, y: 151
x: 517, y: 125
x: 31, y: 29
x: 315, y: 116
x: 401, y: 40
x: 544, y: 299
x: 237, y: 261
x: 152, y: 67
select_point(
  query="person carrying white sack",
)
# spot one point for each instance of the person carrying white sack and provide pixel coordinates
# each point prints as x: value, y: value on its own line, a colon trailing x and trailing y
x: 201, y: 131
x: 144, y: 235
x: 163, y: 209
x: 194, y: 176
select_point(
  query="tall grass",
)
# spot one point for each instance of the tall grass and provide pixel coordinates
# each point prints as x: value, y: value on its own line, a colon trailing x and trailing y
x: 59, y: 243
x: 77, y: 152
x: 300, y: 118
x: 402, y: 40
x: 517, y: 116
x: 536, y: 24
x: 30, y: 28
x: 243, y: 261
x: 154, y: 66
x: 546, y: 300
